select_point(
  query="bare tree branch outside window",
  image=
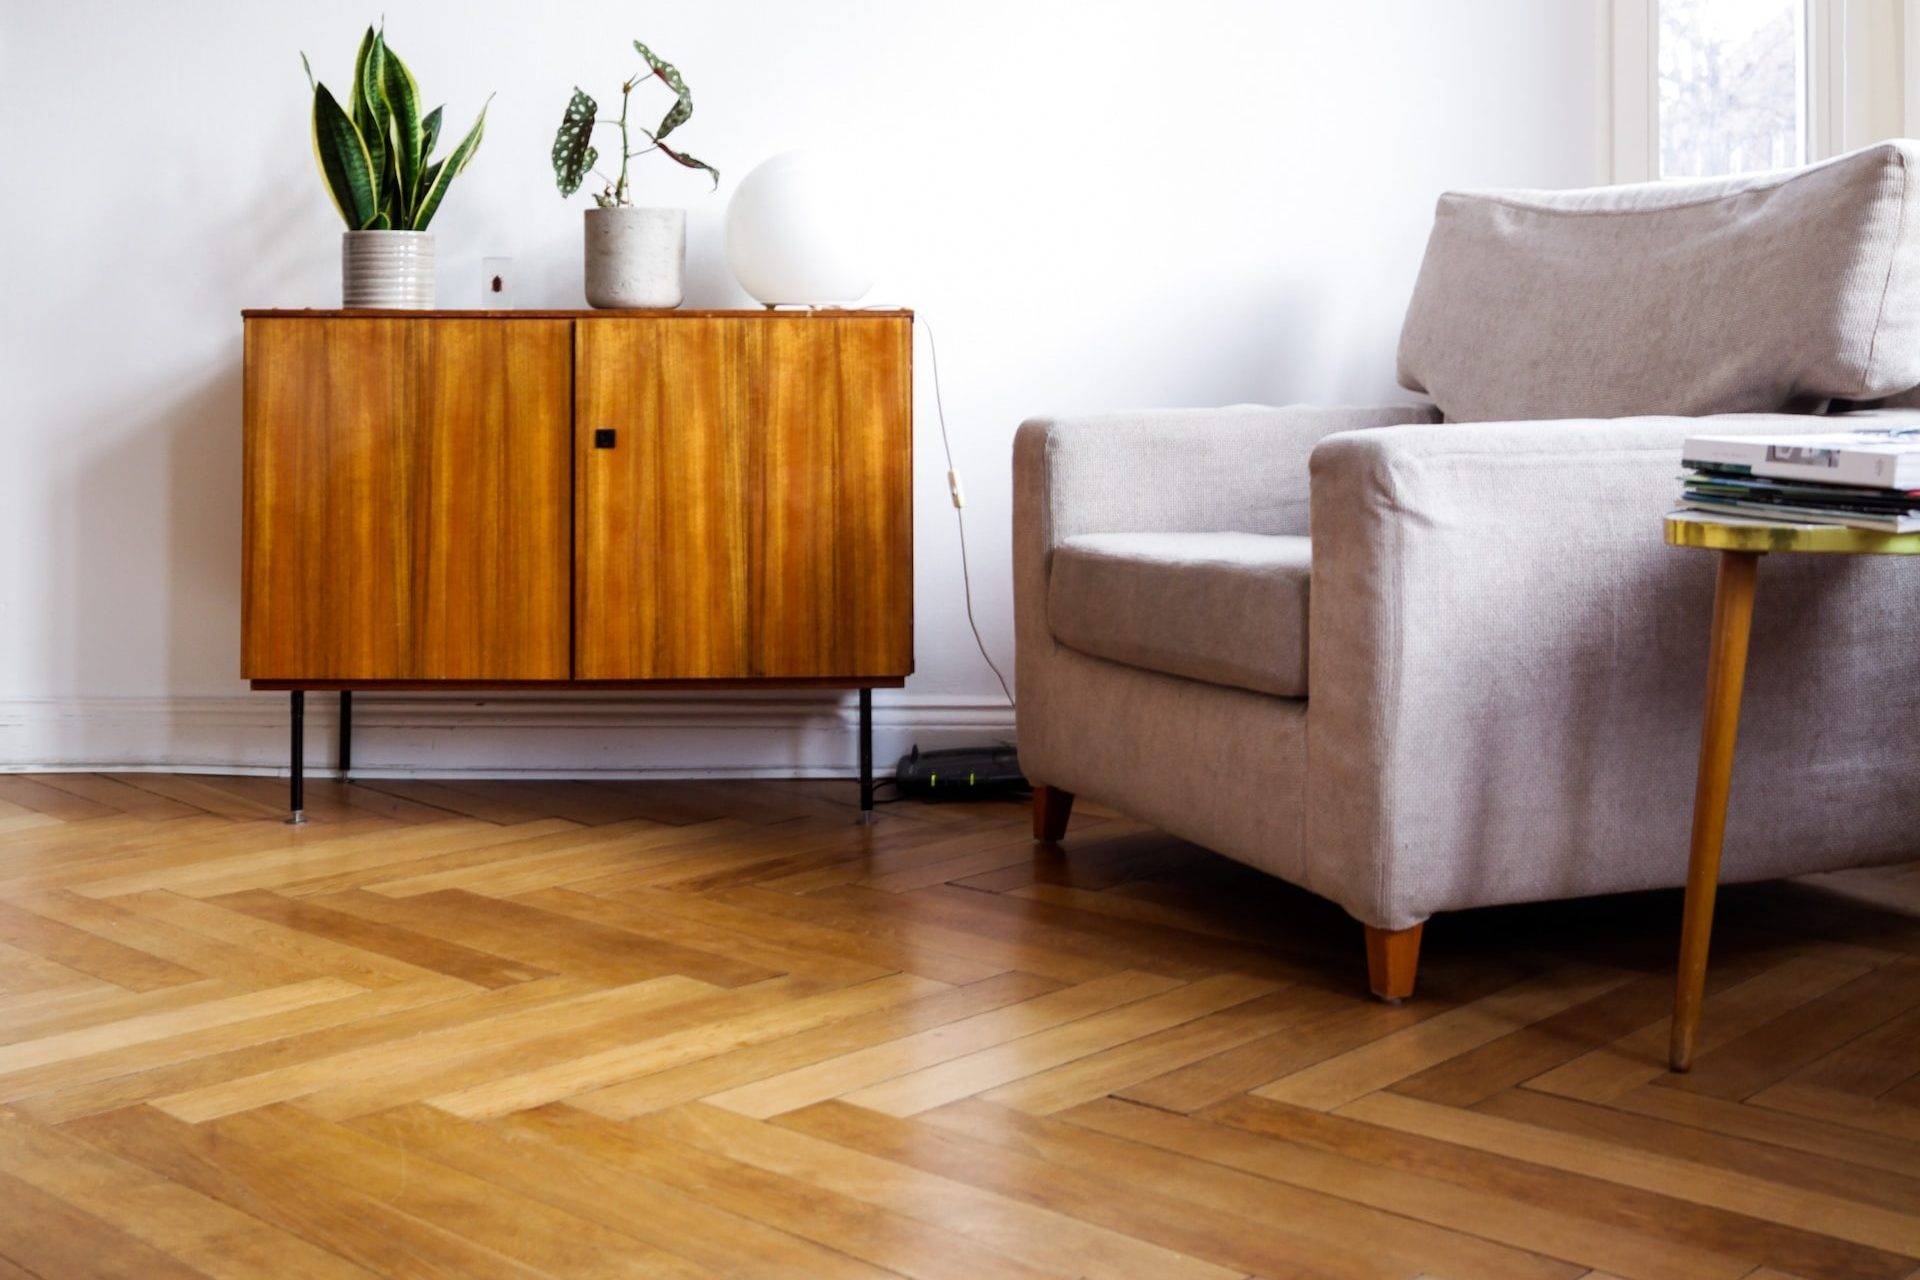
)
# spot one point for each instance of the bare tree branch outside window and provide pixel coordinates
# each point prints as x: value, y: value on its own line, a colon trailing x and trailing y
x: 1730, y: 76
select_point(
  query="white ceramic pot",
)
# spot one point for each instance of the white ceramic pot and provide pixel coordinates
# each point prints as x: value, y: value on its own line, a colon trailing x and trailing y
x: 388, y: 269
x: 636, y: 257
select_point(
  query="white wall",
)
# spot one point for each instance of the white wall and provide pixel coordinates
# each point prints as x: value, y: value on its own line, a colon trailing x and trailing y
x: 1101, y: 205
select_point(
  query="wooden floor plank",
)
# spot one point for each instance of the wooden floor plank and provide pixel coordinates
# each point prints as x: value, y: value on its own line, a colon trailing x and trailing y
x: 873, y: 917
x: 876, y: 1065
x: 346, y: 853
x: 30, y: 793
x: 556, y: 1033
x: 1385, y: 1062
x: 173, y: 1219
x: 280, y: 1188
x: 540, y: 938
x: 1776, y: 1128
x: 137, y: 920
x: 1640, y: 1058
x: 64, y: 1046
x: 746, y: 1064
x: 540, y: 1235
x: 1638, y: 1223
x: 42, y: 1013
x: 204, y: 793
x: 482, y: 803
x: 846, y: 939
x: 1315, y: 1027
x: 987, y: 1069
x: 1732, y: 1189
x: 1154, y: 1053
x: 602, y: 1081
x: 298, y: 1010
x: 1788, y: 1168
x: 893, y: 1242
x: 48, y: 1237
x: 117, y: 796
x: 1421, y: 1192
x: 1838, y: 1107
x: 1057, y: 1242
x: 347, y: 1058
x: 672, y: 923
x: 1330, y: 1222
x: 89, y: 953
x: 1879, y: 1008
x: 121, y: 1077
x: 554, y: 858
x: 554, y: 1029
x: 586, y: 1173
x: 1253, y: 1231
x: 1878, y: 1059
x: 436, y: 954
x: 1526, y: 1052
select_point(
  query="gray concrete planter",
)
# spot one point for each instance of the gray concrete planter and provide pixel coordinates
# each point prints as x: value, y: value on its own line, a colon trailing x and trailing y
x: 636, y: 257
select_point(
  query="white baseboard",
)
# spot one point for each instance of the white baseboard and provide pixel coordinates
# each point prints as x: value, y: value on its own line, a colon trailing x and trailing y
x: 415, y: 735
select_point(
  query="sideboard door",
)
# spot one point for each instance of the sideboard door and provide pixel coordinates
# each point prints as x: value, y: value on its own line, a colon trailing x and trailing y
x: 408, y: 499
x: 662, y: 563
x: 750, y: 515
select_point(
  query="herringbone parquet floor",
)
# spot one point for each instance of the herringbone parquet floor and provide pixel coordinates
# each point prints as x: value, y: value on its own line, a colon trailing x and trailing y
x: 679, y: 1029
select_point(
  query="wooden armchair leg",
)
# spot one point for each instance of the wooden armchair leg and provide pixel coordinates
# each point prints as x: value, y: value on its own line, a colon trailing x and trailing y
x: 1051, y: 806
x: 1393, y: 957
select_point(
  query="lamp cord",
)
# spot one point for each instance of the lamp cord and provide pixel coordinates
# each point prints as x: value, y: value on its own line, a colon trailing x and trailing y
x: 959, y: 514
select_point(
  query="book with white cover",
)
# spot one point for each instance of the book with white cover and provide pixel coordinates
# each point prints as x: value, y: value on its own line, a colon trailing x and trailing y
x: 1886, y: 458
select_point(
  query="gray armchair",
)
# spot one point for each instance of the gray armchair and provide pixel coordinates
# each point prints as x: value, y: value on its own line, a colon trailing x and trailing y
x: 1416, y: 665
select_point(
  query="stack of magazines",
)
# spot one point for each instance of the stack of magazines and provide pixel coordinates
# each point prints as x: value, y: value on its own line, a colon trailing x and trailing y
x: 1867, y: 479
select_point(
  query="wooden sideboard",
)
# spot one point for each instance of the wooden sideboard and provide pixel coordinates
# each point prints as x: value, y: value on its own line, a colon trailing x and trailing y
x: 577, y: 500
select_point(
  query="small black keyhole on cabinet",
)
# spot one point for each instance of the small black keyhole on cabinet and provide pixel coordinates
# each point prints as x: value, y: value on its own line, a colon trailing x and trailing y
x: 603, y: 437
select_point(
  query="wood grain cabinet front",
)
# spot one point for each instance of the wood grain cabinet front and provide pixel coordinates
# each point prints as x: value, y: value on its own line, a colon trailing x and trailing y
x: 744, y: 494
x: 589, y: 498
x: 408, y: 499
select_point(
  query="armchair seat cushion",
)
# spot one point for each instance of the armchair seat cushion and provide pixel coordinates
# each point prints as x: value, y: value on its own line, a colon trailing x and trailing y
x: 1227, y: 608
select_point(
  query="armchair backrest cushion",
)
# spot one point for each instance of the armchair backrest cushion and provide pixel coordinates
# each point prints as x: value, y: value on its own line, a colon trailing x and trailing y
x: 1764, y: 293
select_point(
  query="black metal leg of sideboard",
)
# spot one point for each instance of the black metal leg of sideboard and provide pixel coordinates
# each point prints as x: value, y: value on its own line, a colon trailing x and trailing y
x: 866, y: 755
x: 346, y: 732
x: 296, y: 779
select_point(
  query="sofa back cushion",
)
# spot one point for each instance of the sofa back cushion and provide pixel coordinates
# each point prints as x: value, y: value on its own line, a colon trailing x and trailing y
x: 1762, y: 293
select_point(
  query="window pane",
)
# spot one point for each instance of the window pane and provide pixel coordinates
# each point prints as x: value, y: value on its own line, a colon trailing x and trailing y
x: 1731, y: 77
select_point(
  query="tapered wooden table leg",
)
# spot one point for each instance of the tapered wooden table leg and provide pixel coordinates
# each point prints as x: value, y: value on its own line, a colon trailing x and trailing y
x: 1726, y: 673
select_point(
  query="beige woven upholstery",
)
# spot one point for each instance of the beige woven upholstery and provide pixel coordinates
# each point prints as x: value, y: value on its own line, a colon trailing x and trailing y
x: 1417, y: 666
x: 1228, y: 608
x: 1506, y: 670
x: 1753, y: 294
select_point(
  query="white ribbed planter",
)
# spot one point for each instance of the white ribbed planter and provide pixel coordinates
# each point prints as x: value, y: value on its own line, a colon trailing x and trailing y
x: 387, y: 269
x: 636, y: 257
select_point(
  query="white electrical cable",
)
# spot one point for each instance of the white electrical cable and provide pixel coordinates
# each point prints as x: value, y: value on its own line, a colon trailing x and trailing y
x: 959, y: 515
x: 953, y: 491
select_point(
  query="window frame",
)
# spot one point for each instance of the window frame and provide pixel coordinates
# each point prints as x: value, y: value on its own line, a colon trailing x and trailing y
x: 1862, y: 79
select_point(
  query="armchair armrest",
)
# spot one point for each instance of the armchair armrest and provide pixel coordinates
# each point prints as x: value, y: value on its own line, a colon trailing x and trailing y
x: 1241, y: 469
x: 1506, y: 663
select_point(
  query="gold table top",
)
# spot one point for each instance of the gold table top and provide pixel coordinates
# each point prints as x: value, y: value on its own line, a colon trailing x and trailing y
x: 1733, y: 533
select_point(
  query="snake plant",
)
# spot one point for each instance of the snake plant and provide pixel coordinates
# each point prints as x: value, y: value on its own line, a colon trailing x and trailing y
x: 573, y: 150
x: 374, y: 152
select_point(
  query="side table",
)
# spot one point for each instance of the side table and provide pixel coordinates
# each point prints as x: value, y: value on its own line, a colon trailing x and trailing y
x: 1740, y: 543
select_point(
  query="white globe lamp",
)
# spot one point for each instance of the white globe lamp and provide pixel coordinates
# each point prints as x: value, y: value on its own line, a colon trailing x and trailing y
x: 802, y: 229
